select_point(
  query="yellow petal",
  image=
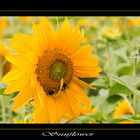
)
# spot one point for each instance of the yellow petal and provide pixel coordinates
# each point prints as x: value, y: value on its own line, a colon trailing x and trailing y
x: 19, y: 61
x: 23, y: 43
x: 74, y: 105
x: 61, y: 86
x: 63, y: 34
x: 11, y: 76
x: 51, y: 108
x: 47, y: 32
x: 23, y: 97
x: 83, y: 84
x: 82, y: 51
x: 40, y: 93
x: 84, y: 63
x: 73, y: 41
x: 45, y: 109
x: 88, y: 72
x: 81, y: 97
x: 61, y: 106
x: 66, y: 26
x: 4, y: 50
x: 17, y: 84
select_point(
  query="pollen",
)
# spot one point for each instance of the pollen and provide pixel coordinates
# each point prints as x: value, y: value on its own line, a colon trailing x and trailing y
x: 52, y: 66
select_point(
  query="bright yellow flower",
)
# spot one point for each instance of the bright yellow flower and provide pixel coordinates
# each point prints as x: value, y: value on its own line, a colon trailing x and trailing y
x: 133, y: 22
x: 94, y: 111
x: 85, y: 39
x: 138, y: 115
x: 103, y: 17
x: 82, y: 22
x: 110, y: 32
x: 92, y: 23
x: 118, y: 23
x: 25, y: 19
x: 25, y: 121
x: 126, y: 122
x: 28, y: 19
x: 95, y: 23
x: 122, y: 108
x: 3, y: 25
x: 48, y: 66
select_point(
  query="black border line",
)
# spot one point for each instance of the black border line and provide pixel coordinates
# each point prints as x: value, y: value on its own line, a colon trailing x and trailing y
x: 16, y: 128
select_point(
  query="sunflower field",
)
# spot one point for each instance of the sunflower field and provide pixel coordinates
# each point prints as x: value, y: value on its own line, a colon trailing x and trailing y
x: 70, y: 69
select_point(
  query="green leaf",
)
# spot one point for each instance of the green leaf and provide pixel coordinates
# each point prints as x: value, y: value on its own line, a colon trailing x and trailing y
x: 114, y: 99
x: 125, y: 82
x: 122, y: 52
x: 116, y: 78
x: 2, y: 87
x: 117, y: 120
x: 126, y: 116
x: 124, y: 69
x: 102, y: 105
x: 131, y: 80
x: 99, y: 83
x: 98, y: 116
x: 118, y: 88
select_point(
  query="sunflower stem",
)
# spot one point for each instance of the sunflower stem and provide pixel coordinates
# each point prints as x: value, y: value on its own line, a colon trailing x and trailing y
x: 3, y: 106
x: 134, y: 97
x: 3, y: 109
x: 108, y: 60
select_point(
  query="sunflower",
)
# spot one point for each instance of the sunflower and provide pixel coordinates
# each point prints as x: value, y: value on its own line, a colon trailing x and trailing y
x: 82, y: 22
x: 133, y: 22
x: 3, y: 25
x: 27, y: 19
x: 48, y: 66
x: 123, y: 108
x: 6, y: 65
x: 110, y: 33
x: 19, y: 121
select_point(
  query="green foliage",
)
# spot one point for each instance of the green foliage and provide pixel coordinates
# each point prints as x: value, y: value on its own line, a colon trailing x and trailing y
x: 118, y: 54
x: 2, y: 87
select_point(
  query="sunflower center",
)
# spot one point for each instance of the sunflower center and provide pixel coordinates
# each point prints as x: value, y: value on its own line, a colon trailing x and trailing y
x: 53, y: 66
x: 58, y: 70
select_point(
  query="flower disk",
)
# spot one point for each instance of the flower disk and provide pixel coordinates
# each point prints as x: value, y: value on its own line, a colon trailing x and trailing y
x: 51, y: 68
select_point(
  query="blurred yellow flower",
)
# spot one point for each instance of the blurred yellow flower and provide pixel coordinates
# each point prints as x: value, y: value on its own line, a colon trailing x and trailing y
x: 28, y: 19
x: 133, y: 22
x: 110, y: 32
x: 88, y: 22
x: 103, y: 17
x: 118, y: 24
x: 19, y: 121
x: 94, y: 111
x: 126, y: 122
x: 95, y: 23
x: 3, y: 25
x: 82, y: 22
x: 122, y: 108
x: 85, y: 39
